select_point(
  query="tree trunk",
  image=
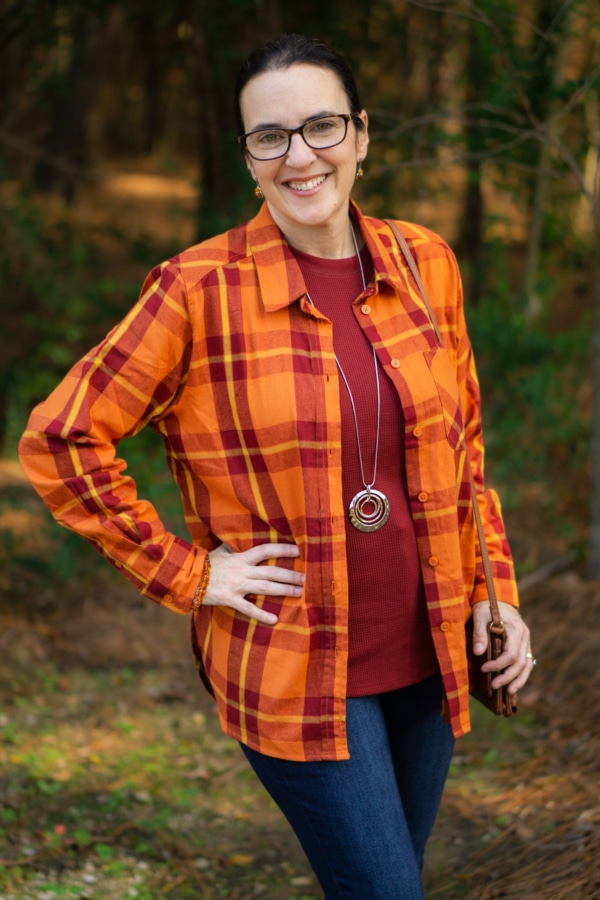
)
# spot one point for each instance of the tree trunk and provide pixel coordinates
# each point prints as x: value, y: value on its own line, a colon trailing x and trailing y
x: 533, y: 303
x: 546, y: 105
x: 583, y: 222
x: 153, y: 74
x: 14, y: 21
x: 213, y: 128
x: 67, y: 138
x: 469, y: 245
x: 594, y: 552
x: 268, y: 19
x: 470, y: 242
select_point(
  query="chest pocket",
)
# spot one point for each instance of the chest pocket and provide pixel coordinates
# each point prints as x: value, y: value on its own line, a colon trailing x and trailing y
x: 429, y: 392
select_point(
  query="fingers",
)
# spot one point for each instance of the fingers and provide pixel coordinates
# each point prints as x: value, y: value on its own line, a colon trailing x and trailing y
x: 235, y: 575
x: 481, y: 619
x: 513, y: 665
x: 262, y: 552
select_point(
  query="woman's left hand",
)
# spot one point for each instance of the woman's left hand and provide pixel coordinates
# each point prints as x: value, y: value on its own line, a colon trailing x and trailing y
x: 517, y: 658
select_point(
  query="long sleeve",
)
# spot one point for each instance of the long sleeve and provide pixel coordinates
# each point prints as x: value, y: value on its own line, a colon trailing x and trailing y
x: 489, y: 503
x: 68, y: 451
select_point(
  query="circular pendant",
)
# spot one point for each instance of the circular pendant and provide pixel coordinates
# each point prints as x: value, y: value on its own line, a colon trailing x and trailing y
x: 369, y: 510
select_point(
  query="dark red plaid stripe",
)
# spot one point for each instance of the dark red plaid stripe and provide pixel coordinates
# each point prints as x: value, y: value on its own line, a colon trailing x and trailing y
x: 224, y: 356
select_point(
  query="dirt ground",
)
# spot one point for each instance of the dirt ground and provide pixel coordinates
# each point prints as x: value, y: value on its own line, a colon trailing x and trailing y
x: 117, y: 781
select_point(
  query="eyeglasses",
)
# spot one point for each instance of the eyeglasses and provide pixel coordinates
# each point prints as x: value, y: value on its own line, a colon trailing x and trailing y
x: 318, y: 134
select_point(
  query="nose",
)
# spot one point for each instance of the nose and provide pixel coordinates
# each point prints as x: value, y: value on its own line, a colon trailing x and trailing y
x: 299, y: 154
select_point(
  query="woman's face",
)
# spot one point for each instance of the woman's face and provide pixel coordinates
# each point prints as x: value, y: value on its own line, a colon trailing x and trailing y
x: 305, y: 189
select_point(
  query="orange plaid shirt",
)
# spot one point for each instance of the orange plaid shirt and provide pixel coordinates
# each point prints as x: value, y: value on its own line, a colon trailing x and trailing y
x: 224, y: 356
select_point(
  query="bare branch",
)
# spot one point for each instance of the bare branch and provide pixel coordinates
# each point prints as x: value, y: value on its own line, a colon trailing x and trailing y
x: 25, y: 147
x: 13, y: 21
x: 441, y: 118
x: 545, y: 35
x: 459, y: 159
x: 477, y: 15
x: 543, y: 132
x: 579, y: 177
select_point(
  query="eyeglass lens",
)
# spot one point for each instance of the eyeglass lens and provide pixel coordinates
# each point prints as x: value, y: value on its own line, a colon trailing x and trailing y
x: 318, y: 134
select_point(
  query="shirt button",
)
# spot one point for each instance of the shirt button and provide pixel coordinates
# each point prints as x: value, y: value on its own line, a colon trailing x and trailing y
x: 417, y: 431
x: 445, y: 626
x: 395, y: 363
x: 365, y: 309
x: 423, y: 496
x: 169, y: 598
x: 433, y: 561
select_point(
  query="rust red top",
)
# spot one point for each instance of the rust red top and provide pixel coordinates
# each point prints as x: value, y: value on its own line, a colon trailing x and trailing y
x: 389, y: 638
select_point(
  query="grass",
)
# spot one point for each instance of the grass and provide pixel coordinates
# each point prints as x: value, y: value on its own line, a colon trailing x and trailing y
x: 109, y: 794
x: 113, y: 791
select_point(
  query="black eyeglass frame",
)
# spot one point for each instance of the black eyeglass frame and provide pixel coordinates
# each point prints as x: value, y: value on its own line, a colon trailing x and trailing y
x: 347, y: 117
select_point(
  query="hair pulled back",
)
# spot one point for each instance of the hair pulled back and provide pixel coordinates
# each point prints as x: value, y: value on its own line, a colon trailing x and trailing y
x: 296, y: 49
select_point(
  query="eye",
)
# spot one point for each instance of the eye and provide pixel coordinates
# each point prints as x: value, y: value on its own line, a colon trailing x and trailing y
x: 322, y: 126
x: 270, y: 138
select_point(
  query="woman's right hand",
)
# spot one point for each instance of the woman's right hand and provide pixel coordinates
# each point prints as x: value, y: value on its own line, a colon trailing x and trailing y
x: 234, y: 575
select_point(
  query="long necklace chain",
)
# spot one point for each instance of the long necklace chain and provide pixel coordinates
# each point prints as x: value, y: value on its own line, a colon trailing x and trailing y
x: 369, y: 509
x: 343, y: 374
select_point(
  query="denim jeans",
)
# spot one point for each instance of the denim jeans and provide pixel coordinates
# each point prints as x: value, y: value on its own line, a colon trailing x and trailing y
x: 364, y: 822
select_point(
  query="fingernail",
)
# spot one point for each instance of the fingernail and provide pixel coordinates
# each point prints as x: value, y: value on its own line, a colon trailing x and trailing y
x: 478, y: 648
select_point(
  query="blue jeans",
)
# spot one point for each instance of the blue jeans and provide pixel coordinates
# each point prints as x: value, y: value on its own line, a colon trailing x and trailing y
x: 364, y: 822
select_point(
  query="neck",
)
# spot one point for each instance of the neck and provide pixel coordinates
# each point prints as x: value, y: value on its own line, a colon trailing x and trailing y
x: 330, y: 241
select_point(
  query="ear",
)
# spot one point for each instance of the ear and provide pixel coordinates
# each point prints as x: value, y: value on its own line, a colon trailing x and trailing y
x: 248, y: 160
x: 362, y: 136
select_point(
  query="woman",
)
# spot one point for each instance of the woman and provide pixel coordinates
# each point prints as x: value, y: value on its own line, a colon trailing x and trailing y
x: 315, y: 428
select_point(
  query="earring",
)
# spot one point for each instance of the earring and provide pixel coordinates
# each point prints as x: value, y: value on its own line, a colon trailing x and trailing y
x: 258, y: 193
x: 359, y: 171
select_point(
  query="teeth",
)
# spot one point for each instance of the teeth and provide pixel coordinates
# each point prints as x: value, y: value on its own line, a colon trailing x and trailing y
x: 307, y: 185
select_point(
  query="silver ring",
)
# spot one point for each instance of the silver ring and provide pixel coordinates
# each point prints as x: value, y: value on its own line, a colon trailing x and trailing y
x: 532, y: 658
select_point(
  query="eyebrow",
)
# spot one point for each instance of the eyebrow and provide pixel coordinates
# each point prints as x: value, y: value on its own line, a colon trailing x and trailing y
x: 267, y: 126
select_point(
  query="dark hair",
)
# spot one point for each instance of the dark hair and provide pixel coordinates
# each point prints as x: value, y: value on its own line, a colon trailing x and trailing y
x: 288, y: 50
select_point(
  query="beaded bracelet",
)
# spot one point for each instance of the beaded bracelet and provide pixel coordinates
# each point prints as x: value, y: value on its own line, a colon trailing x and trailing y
x: 202, y: 587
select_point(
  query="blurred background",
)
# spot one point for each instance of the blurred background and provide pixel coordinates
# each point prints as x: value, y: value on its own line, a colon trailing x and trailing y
x: 118, y: 149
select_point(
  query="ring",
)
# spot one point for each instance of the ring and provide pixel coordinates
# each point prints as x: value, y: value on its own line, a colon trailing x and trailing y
x: 532, y: 658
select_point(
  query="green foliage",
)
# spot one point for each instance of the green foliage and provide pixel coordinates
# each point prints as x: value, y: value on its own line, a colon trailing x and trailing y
x: 144, y: 838
x: 56, y: 297
x: 451, y: 93
x: 104, y: 851
x: 531, y: 377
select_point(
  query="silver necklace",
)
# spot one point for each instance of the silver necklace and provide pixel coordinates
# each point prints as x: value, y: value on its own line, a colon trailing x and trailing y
x: 369, y: 509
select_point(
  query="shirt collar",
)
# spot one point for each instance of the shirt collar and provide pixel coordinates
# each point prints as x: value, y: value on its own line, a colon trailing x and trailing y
x: 279, y: 276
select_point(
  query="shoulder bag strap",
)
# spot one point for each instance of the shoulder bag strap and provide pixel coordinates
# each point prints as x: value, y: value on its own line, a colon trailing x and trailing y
x: 496, y: 624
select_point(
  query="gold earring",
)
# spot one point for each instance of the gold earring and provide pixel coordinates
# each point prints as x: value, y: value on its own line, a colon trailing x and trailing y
x: 359, y: 172
x: 258, y: 193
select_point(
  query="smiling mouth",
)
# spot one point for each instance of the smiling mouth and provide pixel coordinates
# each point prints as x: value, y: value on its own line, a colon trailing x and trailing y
x: 306, y: 185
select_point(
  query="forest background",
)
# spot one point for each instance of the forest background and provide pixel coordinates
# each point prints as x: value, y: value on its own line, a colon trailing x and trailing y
x: 117, y: 149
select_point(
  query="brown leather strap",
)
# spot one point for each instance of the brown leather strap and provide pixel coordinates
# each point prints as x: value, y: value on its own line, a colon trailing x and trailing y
x: 496, y: 624
x: 415, y: 273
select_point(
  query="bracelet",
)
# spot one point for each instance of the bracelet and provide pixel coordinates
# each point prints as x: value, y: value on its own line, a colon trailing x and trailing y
x: 202, y: 587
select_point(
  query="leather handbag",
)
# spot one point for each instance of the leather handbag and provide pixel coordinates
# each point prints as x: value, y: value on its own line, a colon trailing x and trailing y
x: 498, y: 700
